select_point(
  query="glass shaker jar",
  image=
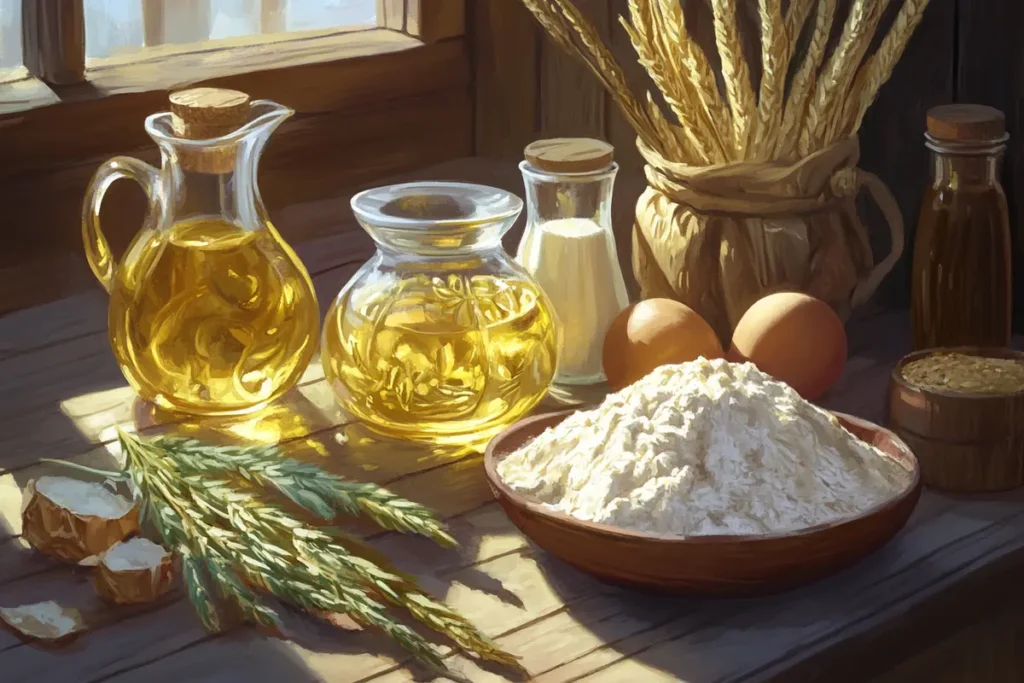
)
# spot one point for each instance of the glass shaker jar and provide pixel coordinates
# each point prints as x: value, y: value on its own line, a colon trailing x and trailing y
x: 569, y: 247
x: 961, y: 289
x: 440, y: 336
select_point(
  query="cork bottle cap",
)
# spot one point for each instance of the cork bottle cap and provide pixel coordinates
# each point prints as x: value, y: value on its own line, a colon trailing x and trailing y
x: 570, y: 155
x: 966, y: 122
x: 198, y: 112
x: 204, y: 114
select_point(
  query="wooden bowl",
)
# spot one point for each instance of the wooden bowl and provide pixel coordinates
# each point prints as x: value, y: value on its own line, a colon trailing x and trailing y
x: 717, y: 565
x: 968, y: 443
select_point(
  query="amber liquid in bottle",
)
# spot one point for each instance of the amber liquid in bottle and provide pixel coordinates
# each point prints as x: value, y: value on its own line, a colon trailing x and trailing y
x: 962, y: 287
x: 207, y: 317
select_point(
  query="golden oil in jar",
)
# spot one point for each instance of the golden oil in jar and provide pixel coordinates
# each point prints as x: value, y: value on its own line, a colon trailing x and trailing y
x: 447, y: 360
x: 210, y: 318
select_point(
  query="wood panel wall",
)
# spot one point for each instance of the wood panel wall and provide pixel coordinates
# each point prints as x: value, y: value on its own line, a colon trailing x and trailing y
x: 963, y: 50
x: 369, y: 105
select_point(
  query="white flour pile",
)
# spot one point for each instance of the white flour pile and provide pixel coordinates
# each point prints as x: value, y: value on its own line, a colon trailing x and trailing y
x: 708, y: 447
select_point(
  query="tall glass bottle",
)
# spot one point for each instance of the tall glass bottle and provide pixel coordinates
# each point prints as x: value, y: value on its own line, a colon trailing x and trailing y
x: 569, y: 247
x: 962, y: 285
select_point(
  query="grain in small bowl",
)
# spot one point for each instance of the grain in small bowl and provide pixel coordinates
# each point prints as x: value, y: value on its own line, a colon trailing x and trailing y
x: 961, y: 411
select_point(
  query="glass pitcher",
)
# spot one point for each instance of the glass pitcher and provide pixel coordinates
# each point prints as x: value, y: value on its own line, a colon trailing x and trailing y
x: 211, y: 312
x: 440, y: 336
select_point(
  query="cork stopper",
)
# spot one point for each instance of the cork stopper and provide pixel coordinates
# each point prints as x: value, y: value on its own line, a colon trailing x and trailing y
x: 966, y: 122
x: 204, y: 114
x: 570, y: 155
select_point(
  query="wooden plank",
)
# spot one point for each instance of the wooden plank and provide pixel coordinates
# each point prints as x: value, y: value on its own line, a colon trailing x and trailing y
x: 391, y: 14
x: 615, y: 621
x: 602, y: 620
x: 505, y: 44
x: 351, y: 69
x: 31, y: 283
x: 434, y: 20
x: 861, y: 392
x: 309, y: 425
x: 18, y: 561
x: 503, y: 546
x: 534, y: 589
x: 781, y: 632
x: 379, y: 141
x: 65, y: 399
x: 985, y: 651
x: 432, y: 486
x: 323, y: 232
x: 945, y: 543
x: 272, y: 16
x: 53, y: 40
x: 56, y: 408
x: 44, y: 187
x: 33, y: 328
x: 152, y: 22
x: 572, y: 100
x: 566, y: 634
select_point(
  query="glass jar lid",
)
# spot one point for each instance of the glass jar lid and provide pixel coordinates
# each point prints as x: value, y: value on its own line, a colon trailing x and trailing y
x: 431, y: 217
x: 966, y: 129
x: 570, y: 155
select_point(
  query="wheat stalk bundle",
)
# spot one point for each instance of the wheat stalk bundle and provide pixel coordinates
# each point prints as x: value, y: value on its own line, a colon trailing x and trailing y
x: 824, y: 102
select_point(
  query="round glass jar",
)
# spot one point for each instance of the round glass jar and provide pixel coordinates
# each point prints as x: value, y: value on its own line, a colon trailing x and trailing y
x: 440, y: 336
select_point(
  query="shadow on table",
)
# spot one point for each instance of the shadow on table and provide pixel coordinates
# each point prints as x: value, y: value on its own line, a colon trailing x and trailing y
x: 447, y: 479
x: 828, y: 623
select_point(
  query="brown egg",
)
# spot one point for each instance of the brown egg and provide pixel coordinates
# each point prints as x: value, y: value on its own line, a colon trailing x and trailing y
x: 652, y: 333
x: 796, y: 339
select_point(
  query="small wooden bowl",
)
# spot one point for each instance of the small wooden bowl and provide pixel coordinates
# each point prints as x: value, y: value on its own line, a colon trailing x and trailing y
x: 716, y: 565
x: 967, y: 443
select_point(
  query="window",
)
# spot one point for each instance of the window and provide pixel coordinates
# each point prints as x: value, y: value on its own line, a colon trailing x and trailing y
x: 10, y: 39
x: 380, y: 87
x: 119, y: 27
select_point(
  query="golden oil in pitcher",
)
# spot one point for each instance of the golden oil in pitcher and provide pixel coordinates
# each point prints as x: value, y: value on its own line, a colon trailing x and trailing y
x: 211, y: 312
x: 211, y: 317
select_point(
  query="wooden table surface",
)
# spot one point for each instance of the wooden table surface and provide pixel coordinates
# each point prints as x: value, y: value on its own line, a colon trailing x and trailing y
x: 916, y: 610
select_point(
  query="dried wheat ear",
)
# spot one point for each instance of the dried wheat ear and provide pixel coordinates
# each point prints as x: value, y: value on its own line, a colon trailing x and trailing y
x: 706, y: 125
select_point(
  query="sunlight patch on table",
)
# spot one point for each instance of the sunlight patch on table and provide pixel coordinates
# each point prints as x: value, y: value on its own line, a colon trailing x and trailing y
x: 320, y: 397
x: 97, y: 415
x: 10, y: 504
x: 97, y: 402
x: 495, y: 534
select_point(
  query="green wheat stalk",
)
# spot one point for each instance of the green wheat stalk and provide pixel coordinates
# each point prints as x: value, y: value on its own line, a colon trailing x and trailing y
x: 203, y: 500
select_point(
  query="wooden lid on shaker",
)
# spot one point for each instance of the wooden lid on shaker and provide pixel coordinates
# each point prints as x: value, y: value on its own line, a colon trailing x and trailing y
x: 966, y: 122
x: 204, y: 114
x: 570, y: 155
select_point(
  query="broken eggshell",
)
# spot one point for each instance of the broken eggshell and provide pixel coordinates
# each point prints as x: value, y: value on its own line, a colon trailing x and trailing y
x: 134, y: 571
x: 71, y: 519
x: 43, y: 620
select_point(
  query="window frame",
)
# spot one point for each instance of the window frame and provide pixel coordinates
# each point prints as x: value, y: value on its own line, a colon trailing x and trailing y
x: 57, y: 81
x: 370, y: 104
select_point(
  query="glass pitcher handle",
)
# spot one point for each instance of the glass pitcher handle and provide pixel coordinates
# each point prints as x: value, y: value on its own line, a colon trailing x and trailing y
x: 97, y: 251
